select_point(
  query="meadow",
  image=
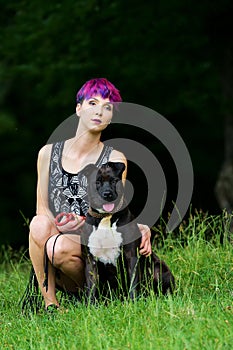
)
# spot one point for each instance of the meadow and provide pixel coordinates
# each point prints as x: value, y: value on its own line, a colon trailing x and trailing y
x: 198, y: 316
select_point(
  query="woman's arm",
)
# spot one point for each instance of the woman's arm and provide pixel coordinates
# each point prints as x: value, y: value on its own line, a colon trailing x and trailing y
x: 43, y: 161
x: 145, y: 246
x: 42, y: 192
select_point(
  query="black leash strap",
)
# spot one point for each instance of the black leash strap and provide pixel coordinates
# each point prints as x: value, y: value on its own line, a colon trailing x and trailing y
x: 46, y: 261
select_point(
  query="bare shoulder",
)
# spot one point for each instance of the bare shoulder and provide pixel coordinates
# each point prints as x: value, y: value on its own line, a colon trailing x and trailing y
x: 44, y: 154
x: 45, y: 151
x: 117, y: 156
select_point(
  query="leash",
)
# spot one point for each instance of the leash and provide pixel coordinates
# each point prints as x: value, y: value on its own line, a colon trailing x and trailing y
x: 63, y: 218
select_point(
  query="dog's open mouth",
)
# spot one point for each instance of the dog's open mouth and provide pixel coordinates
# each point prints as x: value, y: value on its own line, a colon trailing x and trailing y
x: 108, y: 207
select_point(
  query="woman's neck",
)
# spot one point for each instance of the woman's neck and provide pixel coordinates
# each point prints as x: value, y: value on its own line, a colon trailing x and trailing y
x: 81, y: 150
x: 86, y: 140
x: 83, y: 143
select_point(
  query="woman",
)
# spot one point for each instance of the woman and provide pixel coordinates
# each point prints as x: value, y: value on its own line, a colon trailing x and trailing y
x: 60, y: 170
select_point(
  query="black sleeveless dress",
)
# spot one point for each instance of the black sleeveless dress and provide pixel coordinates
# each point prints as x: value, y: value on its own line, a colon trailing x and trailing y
x: 68, y: 192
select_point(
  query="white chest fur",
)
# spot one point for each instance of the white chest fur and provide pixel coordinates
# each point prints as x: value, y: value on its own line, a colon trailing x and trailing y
x: 105, y: 241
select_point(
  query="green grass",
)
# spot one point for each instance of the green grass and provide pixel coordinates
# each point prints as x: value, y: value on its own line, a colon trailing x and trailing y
x: 198, y: 316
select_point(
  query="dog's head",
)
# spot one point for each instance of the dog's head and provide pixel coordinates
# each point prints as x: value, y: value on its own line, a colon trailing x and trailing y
x: 105, y: 188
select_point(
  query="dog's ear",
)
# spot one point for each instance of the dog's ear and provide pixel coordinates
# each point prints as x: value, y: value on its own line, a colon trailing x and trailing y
x: 117, y: 167
x: 89, y: 169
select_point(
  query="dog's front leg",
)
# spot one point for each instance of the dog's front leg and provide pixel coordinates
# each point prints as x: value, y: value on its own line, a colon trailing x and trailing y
x: 130, y: 251
x: 91, y: 275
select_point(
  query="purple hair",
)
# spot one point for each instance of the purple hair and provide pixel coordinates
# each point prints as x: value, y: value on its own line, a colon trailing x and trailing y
x: 98, y: 86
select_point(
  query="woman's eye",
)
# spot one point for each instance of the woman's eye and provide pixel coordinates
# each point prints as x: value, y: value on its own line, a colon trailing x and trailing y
x: 108, y: 107
x: 92, y: 103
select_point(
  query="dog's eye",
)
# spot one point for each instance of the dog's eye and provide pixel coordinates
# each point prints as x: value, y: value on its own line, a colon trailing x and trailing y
x: 98, y: 183
x: 114, y: 181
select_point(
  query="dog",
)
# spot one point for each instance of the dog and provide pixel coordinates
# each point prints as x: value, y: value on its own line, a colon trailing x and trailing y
x: 111, y: 239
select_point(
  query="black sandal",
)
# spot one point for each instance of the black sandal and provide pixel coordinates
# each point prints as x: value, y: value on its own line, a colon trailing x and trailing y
x: 51, y: 308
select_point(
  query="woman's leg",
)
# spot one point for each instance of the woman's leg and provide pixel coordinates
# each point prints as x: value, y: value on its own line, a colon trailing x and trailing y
x: 41, y: 228
x: 64, y: 252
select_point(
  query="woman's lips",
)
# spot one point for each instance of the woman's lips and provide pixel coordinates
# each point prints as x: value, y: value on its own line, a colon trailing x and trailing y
x: 97, y: 121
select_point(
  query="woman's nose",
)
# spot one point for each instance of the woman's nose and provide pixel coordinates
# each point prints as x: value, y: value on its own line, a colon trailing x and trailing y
x: 99, y: 110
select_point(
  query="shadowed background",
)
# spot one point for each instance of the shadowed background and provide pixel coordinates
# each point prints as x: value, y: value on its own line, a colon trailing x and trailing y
x: 174, y: 57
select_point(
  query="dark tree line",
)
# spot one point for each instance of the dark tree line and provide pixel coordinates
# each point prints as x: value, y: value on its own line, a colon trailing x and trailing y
x: 174, y: 57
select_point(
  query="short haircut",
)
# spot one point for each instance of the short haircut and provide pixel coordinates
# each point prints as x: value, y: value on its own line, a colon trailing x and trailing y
x: 98, y: 86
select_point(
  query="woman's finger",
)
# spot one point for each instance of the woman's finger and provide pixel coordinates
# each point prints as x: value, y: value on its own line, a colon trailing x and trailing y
x: 72, y: 225
x: 145, y: 246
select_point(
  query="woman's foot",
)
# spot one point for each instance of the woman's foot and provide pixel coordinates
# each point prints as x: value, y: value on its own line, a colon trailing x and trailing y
x: 51, y: 308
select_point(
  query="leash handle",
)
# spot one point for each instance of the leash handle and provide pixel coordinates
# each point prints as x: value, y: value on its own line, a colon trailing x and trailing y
x: 63, y: 218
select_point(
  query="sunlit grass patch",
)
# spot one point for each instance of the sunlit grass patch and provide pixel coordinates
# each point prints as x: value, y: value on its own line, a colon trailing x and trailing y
x: 198, y: 316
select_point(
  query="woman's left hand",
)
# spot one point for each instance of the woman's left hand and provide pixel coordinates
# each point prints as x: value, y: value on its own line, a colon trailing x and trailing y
x: 145, y: 246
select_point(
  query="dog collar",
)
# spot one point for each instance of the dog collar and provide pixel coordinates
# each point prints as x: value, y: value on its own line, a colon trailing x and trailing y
x: 98, y: 215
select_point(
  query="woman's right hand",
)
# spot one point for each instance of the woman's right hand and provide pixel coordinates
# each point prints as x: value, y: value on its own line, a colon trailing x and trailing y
x: 69, y: 222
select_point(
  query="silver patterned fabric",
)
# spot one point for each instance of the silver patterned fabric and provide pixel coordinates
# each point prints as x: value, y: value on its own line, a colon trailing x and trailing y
x: 68, y: 192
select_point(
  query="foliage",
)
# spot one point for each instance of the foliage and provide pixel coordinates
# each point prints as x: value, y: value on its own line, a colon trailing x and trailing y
x: 197, y: 225
x: 160, y: 55
x: 198, y: 316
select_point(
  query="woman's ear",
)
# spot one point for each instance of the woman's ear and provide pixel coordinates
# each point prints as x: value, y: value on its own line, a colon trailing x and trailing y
x: 78, y: 109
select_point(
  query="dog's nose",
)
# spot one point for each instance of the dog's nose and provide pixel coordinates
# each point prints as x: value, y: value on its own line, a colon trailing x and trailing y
x: 107, y: 195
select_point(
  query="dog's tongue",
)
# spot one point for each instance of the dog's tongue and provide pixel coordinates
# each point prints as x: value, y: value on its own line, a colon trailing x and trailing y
x: 108, y: 207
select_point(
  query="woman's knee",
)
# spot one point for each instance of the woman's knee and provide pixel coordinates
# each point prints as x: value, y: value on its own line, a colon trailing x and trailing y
x: 41, y: 227
x: 60, y: 250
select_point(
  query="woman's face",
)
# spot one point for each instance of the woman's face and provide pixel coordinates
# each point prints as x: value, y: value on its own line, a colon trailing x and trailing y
x: 95, y: 112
